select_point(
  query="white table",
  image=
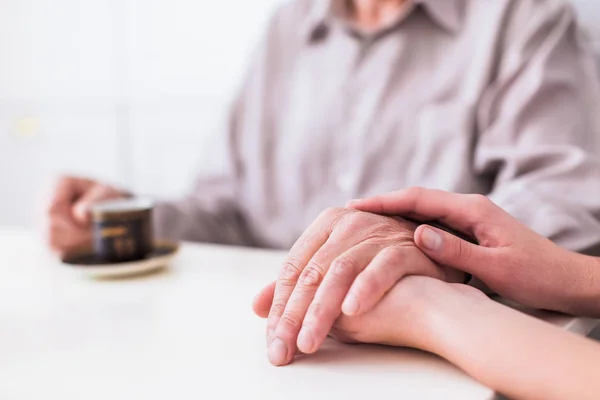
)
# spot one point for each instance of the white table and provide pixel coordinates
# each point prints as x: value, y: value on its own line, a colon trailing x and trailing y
x: 187, y: 333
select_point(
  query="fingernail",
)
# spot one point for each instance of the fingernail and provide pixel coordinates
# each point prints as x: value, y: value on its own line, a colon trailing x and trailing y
x: 431, y: 240
x: 350, y: 305
x: 81, y: 211
x: 270, y: 335
x: 277, y: 352
x: 305, y: 340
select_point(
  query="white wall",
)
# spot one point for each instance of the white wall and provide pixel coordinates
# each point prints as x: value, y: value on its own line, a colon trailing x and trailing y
x: 122, y: 90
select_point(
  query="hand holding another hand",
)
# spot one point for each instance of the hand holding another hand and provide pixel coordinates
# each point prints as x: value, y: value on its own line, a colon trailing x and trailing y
x: 413, y: 313
x: 511, y: 259
x: 345, y: 261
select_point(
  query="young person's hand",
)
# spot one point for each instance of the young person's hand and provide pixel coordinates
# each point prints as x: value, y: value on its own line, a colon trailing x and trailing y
x: 407, y: 315
x: 511, y: 259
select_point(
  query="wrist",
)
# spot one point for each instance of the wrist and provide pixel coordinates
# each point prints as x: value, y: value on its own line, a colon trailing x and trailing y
x: 445, y: 308
x: 582, y: 294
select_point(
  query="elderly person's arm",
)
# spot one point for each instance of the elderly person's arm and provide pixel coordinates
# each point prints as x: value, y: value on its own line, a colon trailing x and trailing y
x: 539, y: 128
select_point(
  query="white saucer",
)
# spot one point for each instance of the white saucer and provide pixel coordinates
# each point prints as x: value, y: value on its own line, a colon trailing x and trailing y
x: 86, y: 263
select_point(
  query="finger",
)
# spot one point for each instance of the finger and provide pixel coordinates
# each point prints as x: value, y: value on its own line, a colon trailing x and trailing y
x: 327, y: 303
x: 290, y: 322
x: 452, y: 251
x: 459, y: 211
x: 83, y: 206
x: 63, y: 235
x: 63, y: 230
x: 64, y: 195
x: 263, y: 300
x: 387, y: 268
x: 301, y: 253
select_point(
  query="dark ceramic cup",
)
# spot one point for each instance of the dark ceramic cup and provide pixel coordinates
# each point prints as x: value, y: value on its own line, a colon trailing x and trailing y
x: 122, y: 230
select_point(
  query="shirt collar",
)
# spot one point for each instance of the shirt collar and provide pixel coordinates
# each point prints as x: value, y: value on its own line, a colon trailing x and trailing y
x: 446, y: 13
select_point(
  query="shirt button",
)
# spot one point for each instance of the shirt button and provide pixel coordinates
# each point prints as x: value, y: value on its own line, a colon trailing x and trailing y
x: 345, y: 181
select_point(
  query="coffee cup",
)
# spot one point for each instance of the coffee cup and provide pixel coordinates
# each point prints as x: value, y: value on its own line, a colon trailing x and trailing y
x: 122, y: 229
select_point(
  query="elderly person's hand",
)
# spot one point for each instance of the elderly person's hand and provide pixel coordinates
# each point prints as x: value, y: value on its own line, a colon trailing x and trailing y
x: 345, y: 261
x: 408, y: 315
x: 511, y: 259
x: 68, y: 224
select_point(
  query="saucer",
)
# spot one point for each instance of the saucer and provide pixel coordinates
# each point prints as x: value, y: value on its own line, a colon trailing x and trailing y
x: 88, y: 263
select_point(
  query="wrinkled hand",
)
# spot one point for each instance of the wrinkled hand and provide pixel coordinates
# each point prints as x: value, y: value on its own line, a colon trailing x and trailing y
x: 68, y: 224
x: 345, y: 261
x: 407, y: 316
x: 511, y: 259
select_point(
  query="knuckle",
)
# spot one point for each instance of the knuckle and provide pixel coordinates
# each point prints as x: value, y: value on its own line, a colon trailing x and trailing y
x: 479, y: 202
x: 332, y: 216
x: 289, y: 321
x: 354, y: 222
x: 392, y: 257
x: 342, y: 267
x: 463, y: 251
x: 312, y: 276
x: 290, y: 271
x: 414, y: 194
x: 319, y: 311
x: 277, y: 309
x: 331, y: 213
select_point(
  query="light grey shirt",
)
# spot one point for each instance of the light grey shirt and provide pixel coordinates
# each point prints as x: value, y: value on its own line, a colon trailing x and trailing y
x: 494, y: 97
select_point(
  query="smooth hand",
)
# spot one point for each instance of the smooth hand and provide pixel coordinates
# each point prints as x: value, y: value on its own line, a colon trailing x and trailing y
x: 511, y: 259
x: 344, y: 262
x: 409, y: 315
x: 68, y: 212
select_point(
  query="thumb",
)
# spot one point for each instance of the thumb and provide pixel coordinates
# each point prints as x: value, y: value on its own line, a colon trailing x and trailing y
x: 83, y: 206
x: 262, y: 302
x: 447, y: 249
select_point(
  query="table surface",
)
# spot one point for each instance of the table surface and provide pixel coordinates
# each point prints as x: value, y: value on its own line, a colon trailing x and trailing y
x: 184, y: 333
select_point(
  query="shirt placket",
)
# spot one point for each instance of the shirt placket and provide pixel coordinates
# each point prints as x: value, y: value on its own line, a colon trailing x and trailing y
x: 351, y: 126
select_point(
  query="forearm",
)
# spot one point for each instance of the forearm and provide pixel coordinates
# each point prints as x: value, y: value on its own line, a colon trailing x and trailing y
x: 188, y: 220
x: 571, y: 285
x: 517, y: 355
x: 583, y: 290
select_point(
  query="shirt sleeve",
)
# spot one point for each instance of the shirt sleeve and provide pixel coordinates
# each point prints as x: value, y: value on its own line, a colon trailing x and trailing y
x: 539, y: 129
x: 210, y: 211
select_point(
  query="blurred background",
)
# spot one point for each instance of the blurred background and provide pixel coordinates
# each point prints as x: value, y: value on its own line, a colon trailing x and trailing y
x: 120, y: 90
x: 123, y: 90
